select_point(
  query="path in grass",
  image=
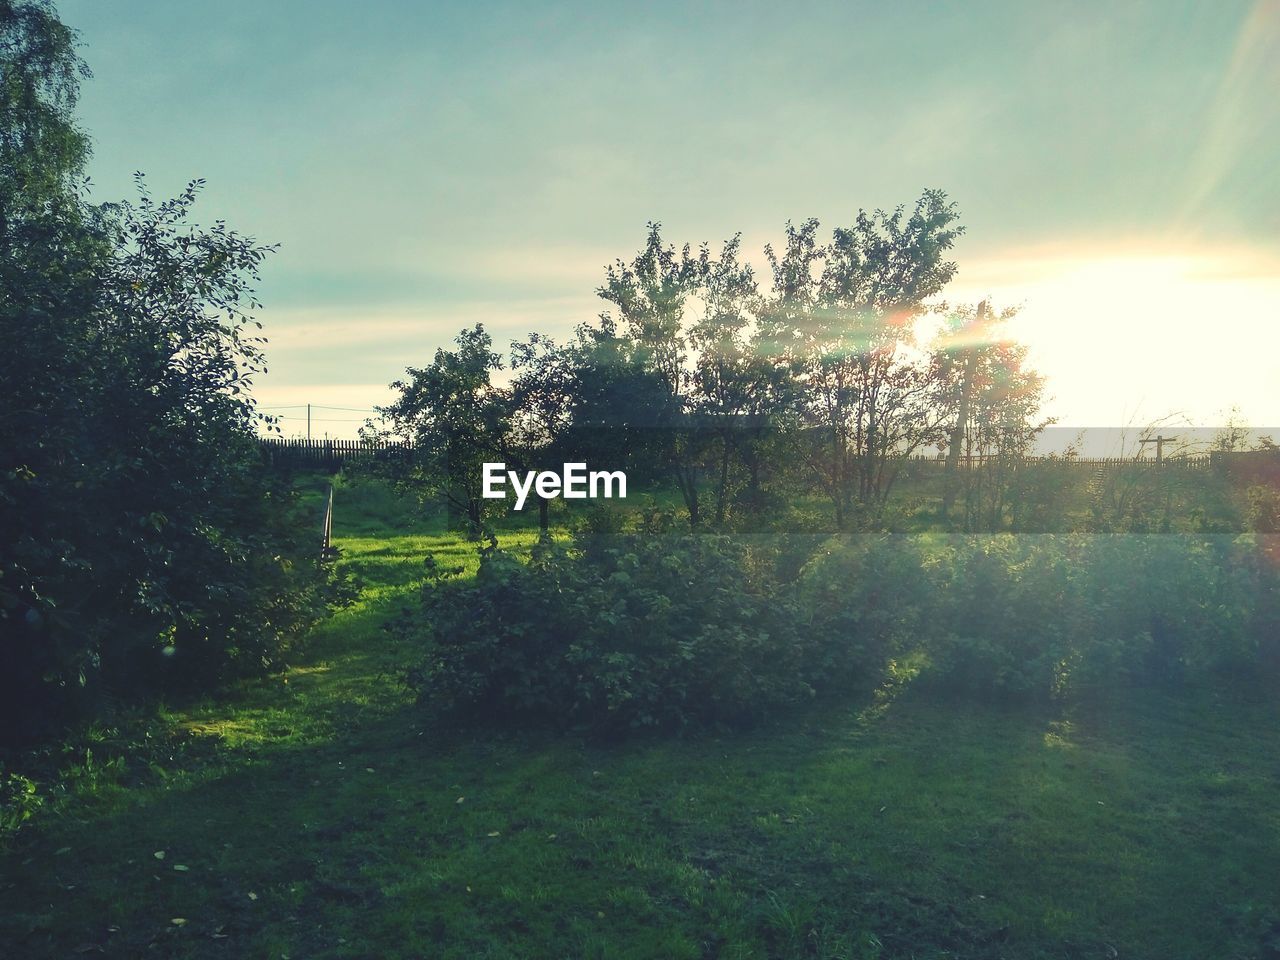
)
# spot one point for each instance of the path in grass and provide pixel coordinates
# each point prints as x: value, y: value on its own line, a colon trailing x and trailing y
x: 316, y: 814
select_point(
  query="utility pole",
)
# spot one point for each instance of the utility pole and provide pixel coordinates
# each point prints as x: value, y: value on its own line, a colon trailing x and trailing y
x: 1159, y: 440
x: 308, y: 421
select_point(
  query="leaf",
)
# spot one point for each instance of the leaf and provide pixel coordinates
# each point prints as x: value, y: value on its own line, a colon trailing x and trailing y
x: 159, y: 854
x: 495, y: 833
x: 460, y: 799
x: 181, y: 867
x: 252, y: 895
x: 178, y: 921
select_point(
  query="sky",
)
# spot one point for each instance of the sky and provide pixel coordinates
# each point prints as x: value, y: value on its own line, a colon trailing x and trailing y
x: 424, y: 167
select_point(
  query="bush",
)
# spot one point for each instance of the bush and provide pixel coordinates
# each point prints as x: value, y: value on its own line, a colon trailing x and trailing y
x: 864, y: 600
x: 19, y: 800
x: 1033, y: 616
x: 667, y: 631
x: 1002, y: 612
x: 615, y: 633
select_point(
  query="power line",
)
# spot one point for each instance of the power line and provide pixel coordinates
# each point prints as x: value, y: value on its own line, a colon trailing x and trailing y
x: 322, y: 419
x: 317, y: 406
x: 314, y: 406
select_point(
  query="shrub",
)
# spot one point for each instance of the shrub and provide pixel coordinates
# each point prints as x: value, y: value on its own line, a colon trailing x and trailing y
x: 668, y: 631
x: 19, y: 800
x: 614, y: 633
x: 1040, y: 615
x: 145, y: 548
x: 1001, y: 612
x: 864, y: 599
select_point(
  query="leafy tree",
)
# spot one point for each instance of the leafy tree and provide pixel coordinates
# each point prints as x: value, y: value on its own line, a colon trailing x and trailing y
x: 457, y: 419
x: 49, y: 256
x: 697, y: 395
x: 996, y: 399
x: 146, y: 547
x: 650, y: 294
x: 844, y: 315
x: 541, y: 405
x: 736, y: 392
x: 42, y: 150
x: 646, y: 350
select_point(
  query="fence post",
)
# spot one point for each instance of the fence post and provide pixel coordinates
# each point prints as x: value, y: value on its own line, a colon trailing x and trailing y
x: 326, y: 546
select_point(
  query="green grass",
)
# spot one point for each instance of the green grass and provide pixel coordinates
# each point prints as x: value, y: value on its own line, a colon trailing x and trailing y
x: 318, y: 814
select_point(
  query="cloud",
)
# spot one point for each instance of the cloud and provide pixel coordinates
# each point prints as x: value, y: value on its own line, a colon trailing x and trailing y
x: 329, y: 329
x: 1243, y: 111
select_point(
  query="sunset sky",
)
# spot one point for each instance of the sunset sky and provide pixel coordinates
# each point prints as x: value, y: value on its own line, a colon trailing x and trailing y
x: 426, y: 166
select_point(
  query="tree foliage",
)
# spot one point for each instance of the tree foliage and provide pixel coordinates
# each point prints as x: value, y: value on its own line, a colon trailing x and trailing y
x: 738, y: 397
x: 146, y: 549
x: 613, y: 634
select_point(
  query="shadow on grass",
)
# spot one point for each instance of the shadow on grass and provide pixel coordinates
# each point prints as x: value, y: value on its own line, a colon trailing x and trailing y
x: 337, y: 822
x: 938, y: 832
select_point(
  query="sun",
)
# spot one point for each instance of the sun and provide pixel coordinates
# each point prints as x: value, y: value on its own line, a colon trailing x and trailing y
x: 1139, y: 332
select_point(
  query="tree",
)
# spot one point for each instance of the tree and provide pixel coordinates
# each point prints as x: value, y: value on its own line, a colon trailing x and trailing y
x: 146, y: 548
x: 42, y: 150
x: 48, y: 259
x: 541, y: 406
x: 995, y: 402
x: 738, y: 393
x: 961, y: 355
x: 686, y: 380
x: 844, y: 315
x: 650, y: 352
x: 456, y: 419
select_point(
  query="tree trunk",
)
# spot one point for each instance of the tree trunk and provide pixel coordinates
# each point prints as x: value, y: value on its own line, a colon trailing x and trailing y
x: 962, y: 418
x: 722, y: 489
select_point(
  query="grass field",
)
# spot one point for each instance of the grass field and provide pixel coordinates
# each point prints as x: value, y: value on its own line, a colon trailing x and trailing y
x: 318, y: 814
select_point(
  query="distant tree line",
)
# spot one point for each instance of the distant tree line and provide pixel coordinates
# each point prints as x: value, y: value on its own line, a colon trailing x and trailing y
x: 826, y: 378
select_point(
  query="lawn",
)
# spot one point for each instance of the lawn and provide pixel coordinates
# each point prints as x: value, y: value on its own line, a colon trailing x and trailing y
x: 319, y: 813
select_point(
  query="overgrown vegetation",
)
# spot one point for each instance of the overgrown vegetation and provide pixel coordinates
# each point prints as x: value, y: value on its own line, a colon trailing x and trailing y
x: 990, y: 709
x: 318, y: 813
x: 146, y: 549
x: 616, y: 633
x: 622, y: 631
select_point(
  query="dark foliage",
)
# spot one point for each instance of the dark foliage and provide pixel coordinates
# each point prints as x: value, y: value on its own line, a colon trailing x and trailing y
x: 145, y: 548
x: 664, y: 631
x: 1050, y: 615
x: 615, y: 633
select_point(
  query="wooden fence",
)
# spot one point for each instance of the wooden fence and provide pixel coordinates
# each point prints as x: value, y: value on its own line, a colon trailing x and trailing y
x: 328, y: 454
x: 1195, y: 462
